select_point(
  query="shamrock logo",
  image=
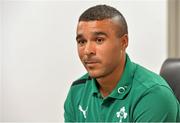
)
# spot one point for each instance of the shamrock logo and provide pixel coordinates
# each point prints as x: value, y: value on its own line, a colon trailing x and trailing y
x: 121, y: 114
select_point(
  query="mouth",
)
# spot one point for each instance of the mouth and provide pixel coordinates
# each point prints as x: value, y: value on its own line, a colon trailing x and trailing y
x: 90, y: 63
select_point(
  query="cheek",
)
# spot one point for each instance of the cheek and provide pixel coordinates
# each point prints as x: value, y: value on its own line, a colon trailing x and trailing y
x: 110, y: 53
x: 80, y: 53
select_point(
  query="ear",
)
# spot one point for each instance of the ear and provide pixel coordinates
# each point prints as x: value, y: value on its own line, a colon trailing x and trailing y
x: 124, y: 41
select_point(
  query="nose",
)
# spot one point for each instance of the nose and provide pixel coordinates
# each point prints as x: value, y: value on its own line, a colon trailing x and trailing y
x: 89, y: 48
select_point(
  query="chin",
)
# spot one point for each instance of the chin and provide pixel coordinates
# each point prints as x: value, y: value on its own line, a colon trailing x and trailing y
x: 95, y: 75
x: 92, y: 74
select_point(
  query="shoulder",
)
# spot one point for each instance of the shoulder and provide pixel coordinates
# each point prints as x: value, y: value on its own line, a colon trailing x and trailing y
x: 154, y: 98
x: 151, y: 86
x: 79, y: 85
x: 82, y: 80
x: 146, y: 82
x: 147, y: 79
x: 76, y: 90
x: 157, y: 103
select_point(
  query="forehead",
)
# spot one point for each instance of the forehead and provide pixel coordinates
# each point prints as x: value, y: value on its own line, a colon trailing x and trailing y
x: 106, y: 25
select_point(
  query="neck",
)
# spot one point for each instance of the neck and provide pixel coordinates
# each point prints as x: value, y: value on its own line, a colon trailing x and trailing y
x: 109, y: 82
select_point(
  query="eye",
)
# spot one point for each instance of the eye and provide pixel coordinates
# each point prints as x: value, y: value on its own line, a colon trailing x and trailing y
x: 81, y: 42
x: 99, y: 40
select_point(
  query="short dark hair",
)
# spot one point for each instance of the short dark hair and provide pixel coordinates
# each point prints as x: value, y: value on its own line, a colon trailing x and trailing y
x: 101, y: 12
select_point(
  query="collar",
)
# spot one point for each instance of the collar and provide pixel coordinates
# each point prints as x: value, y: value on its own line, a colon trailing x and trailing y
x: 124, y: 84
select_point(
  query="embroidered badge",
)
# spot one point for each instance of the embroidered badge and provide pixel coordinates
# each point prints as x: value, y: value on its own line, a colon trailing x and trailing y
x: 121, y: 114
x: 83, y: 111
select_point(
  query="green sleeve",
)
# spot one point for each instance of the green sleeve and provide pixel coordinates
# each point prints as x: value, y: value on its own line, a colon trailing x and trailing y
x: 68, y: 109
x: 158, y: 104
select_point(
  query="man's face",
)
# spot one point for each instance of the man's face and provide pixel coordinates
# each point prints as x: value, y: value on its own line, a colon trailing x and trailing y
x: 99, y: 47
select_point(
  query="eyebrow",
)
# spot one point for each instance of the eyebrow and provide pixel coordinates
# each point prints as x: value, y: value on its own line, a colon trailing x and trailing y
x: 94, y: 33
x: 100, y: 33
x: 79, y: 36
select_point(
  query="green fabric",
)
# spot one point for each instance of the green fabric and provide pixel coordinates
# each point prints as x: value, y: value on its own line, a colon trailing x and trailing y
x: 140, y: 96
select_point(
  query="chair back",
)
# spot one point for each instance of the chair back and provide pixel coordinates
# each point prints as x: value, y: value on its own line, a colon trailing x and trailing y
x: 170, y: 71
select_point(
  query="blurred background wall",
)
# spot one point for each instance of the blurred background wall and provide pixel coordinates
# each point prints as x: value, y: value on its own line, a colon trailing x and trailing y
x: 38, y: 51
x: 173, y: 28
x: 1, y: 33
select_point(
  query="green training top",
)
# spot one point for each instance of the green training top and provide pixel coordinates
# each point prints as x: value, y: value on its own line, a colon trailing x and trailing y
x: 140, y: 96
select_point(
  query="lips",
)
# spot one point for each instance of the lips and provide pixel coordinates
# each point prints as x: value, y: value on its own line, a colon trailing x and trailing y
x: 90, y: 63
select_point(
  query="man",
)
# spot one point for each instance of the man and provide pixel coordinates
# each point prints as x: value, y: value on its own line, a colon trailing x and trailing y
x: 115, y: 89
